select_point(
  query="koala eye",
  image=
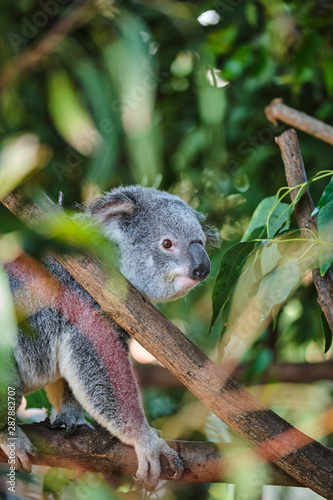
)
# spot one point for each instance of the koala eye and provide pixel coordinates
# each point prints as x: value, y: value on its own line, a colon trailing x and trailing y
x: 167, y: 243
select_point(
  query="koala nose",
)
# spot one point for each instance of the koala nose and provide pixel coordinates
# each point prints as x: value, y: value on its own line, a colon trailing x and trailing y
x: 200, y: 273
x: 200, y: 262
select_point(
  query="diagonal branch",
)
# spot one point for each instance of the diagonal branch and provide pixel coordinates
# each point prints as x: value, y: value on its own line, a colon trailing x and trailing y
x: 300, y: 456
x: 296, y: 175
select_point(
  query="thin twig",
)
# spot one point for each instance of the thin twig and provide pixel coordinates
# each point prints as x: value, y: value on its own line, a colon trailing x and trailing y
x: 32, y: 55
x: 279, y: 111
x: 296, y: 175
x: 61, y: 199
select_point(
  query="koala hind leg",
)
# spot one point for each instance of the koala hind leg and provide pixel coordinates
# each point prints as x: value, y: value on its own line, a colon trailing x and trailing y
x: 70, y: 413
x: 96, y: 365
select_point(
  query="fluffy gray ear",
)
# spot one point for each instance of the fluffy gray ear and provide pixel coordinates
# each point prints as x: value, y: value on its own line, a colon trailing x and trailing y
x: 213, y: 239
x: 111, y: 207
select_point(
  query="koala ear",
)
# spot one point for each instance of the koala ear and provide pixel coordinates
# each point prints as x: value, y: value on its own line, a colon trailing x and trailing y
x: 213, y: 239
x: 111, y: 207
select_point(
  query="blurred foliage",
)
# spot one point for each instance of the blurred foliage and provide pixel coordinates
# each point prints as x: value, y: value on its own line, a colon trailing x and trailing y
x: 141, y: 92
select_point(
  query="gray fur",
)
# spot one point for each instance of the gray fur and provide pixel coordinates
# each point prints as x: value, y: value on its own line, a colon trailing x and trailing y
x: 79, y: 372
x: 138, y: 226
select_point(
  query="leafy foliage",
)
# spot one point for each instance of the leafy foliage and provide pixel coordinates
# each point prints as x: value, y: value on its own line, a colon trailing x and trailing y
x: 141, y: 92
x: 270, y: 275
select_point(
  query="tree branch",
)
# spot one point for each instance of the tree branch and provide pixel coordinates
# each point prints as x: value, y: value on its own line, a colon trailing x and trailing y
x: 295, y: 373
x: 97, y: 451
x: 279, y: 111
x: 306, y: 460
x: 296, y: 175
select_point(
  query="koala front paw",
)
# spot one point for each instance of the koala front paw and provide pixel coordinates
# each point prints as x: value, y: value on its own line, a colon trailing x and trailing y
x: 19, y: 450
x: 149, y: 468
x: 70, y: 419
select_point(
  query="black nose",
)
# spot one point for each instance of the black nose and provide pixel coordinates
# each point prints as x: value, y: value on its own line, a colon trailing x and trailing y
x: 200, y: 267
x: 200, y: 273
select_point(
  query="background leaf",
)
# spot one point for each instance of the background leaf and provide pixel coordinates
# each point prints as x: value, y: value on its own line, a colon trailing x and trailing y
x: 325, y: 235
x: 230, y: 270
x: 327, y: 333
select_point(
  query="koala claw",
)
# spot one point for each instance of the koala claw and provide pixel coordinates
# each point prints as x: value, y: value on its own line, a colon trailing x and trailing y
x: 70, y: 430
x: 176, y: 467
x: 24, y: 450
x: 70, y: 421
x: 149, y: 468
x: 175, y: 463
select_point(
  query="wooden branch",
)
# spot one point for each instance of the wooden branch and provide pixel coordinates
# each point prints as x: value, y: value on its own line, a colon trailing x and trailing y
x: 32, y: 55
x: 93, y: 450
x: 294, y: 373
x: 296, y: 175
x: 306, y: 460
x: 279, y: 111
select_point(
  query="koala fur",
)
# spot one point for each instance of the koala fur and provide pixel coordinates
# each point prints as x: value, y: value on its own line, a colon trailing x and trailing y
x: 82, y: 357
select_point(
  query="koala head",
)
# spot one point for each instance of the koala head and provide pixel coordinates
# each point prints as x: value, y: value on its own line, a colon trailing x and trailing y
x: 161, y: 240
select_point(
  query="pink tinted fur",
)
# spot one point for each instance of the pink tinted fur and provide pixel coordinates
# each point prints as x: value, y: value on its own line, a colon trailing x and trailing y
x: 101, y: 335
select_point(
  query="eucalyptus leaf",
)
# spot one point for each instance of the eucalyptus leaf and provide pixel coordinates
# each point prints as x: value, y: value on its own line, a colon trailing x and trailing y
x: 325, y: 236
x: 8, y: 369
x: 327, y: 195
x: 246, y: 287
x: 269, y: 258
x: 262, y: 361
x: 274, y: 212
x: 212, y: 104
x: 19, y: 157
x: 230, y: 270
x: 327, y: 332
x: 70, y: 115
x: 276, y: 286
x: 97, y: 92
x: 38, y: 399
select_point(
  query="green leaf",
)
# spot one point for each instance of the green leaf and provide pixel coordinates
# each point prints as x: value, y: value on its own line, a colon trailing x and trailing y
x: 38, y: 400
x: 325, y: 236
x: 70, y: 115
x: 97, y: 92
x: 230, y: 270
x: 327, y: 195
x: 212, y: 104
x: 263, y: 360
x: 327, y: 332
x: 275, y: 287
x: 9, y: 376
x: 270, y: 256
x: 19, y: 157
x: 271, y: 209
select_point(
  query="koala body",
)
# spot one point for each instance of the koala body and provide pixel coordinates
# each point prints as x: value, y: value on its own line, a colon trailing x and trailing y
x: 82, y: 357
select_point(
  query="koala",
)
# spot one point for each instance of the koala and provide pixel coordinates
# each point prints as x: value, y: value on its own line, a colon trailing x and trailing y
x: 81, y: 356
